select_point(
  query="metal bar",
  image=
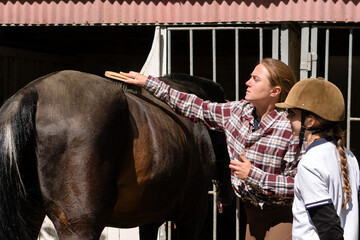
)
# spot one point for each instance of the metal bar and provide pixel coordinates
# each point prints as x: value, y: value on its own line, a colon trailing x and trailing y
x: 237, y: 96
x: 261, y: 45
x: 336, y: 27
x: 214, y: 54
x: 218, y: 28
x: 327, y: 53
x: 169, y: 52
x: 284, y: 44
x: 348, y: 117
x: 275, y: 43
x: 304, y: 52
x: 169, y: 230
x: 191, y: 39
x: 354, y: 119
x: 237, y: 235
x: 164, y: 50
x: 237, y: 70
x: 214, y: 212
x: 313, y: 47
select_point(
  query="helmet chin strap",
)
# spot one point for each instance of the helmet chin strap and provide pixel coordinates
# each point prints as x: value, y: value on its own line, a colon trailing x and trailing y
x: 301, y: 136
x: 302, y: 133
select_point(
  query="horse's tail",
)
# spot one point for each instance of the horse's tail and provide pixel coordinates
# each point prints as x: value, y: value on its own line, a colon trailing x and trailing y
x: 17, y: 143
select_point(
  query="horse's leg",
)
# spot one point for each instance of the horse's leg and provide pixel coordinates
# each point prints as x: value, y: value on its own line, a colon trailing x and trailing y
x: 79, y: 194
x: 149, y: 231
x: 190, y: 225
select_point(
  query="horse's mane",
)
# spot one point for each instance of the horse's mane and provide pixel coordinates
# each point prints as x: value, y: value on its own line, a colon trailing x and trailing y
x: 202, y: 87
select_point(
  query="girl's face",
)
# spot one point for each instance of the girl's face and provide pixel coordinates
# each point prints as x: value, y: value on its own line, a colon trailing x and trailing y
x: 294, y: 115
x: 258, y: 86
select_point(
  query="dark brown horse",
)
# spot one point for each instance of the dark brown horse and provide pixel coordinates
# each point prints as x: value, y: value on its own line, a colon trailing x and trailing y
x: 82, y: 150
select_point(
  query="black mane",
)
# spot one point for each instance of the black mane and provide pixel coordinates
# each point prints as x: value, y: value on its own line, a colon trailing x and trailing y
x: 202, y: 87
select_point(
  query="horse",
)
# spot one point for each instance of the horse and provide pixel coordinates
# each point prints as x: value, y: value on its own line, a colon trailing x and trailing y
x: 89, y: 152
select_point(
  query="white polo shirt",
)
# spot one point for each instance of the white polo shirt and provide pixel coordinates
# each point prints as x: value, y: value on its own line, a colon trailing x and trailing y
x: 318, y: 182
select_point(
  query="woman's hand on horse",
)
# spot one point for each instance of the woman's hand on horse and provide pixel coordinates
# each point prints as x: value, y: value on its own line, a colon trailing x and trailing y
x: 135, y: 78
x: 240, y: 168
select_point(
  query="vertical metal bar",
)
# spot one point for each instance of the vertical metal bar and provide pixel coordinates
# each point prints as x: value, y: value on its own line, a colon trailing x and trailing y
x: 237, y: 235
x: 237, y: 96
x: 275, y: 43
x: 158, y: 28
x: 214, y: 212
x: 191, y: 52
x: 348, y: 117
x: 164, y: 51
x: 261, y: 45
x: 327, y: 53
x: 169, y: 71
x: 169, y: 230
x: 213, y: 33
x: 214, y: 54
x: 304, y: 52
x: 169, y: 52
x: 313, y: 47
x: 284, y: 44
x: 237, y: 71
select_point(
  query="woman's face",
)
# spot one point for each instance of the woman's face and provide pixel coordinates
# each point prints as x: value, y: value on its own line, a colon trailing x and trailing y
x: 294, y: 115
x: 258, y: 86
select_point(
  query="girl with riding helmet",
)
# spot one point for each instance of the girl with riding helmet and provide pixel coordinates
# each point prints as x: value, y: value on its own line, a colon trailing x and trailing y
x: 327, y: 183
x: 260, y: 143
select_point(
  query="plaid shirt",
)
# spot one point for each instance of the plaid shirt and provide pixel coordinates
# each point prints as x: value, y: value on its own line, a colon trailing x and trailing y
x: 271, y: 148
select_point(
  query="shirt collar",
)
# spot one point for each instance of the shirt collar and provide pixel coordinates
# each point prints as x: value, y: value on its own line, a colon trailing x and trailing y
x: 268, y: 121
x: 318, y: 142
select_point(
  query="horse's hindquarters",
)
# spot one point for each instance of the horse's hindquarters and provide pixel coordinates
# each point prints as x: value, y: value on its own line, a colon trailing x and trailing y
x: 80, y: 138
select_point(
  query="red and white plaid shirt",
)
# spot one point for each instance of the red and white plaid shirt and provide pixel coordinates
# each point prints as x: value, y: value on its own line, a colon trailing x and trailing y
x: 271, y: 148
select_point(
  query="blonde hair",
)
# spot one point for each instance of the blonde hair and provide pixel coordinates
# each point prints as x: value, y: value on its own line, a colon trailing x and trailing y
x: 338, y: 135
x: 280, y: 75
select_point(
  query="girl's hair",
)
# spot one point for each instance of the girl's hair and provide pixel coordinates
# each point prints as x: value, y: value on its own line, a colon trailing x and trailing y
x: 280, y: 75
x: 334, y: 131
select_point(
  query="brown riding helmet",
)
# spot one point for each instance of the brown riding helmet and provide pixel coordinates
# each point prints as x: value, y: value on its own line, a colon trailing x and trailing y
x: 318, y: 96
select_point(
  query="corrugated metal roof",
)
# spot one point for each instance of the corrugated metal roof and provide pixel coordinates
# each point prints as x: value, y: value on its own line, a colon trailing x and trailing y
x: 162, y: 12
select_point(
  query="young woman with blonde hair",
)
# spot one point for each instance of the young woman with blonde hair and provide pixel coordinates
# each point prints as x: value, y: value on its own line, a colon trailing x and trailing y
x: 327, y: 183
x: 259, y: 139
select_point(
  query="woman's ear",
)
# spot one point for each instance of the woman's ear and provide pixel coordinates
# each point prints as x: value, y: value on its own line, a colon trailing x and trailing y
x: 275, y: 91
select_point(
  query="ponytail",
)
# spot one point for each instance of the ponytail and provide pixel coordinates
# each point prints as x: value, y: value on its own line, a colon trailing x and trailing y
x: 338, y: 135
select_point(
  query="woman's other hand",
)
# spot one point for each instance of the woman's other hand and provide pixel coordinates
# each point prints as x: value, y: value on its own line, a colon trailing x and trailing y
x: 241, y: 168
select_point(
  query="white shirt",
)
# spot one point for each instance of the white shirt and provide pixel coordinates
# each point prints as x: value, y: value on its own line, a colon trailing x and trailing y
x: 319, y: 182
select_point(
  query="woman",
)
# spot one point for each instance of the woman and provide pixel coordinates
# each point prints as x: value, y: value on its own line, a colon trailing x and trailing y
x: 259, y: 139
x: 327, y: 182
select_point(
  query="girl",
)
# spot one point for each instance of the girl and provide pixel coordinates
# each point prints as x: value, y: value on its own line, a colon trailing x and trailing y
x: 327, y: 182
x: 260, y: 144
